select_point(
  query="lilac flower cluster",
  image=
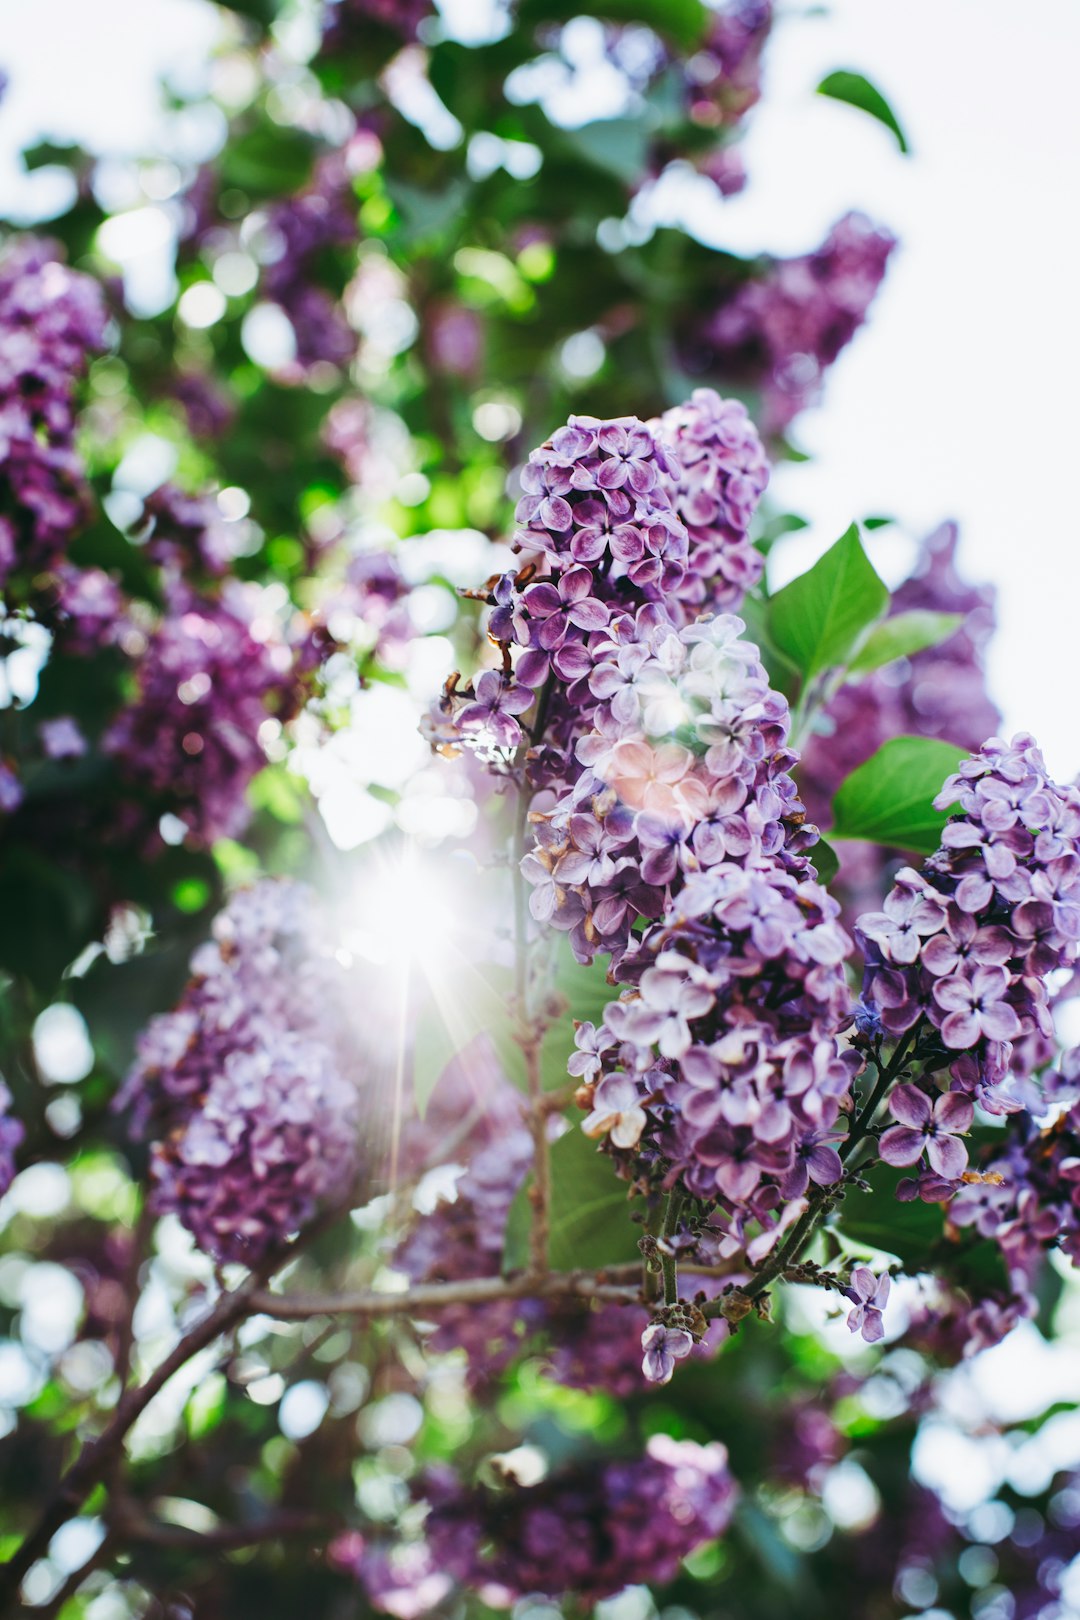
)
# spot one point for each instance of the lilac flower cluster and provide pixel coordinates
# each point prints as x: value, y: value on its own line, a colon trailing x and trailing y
x: 186, y: 534
x: 781, y: 330
x: 647, y: 811
x: 305, y: 228
x: 464, y: 1238
x: 624, y: 1523
x: 722, y: 472
x: 723, y: 77
x: 52, y: 320
x: 251, y: 1085
x: 348, y: 24
x: 613, y: 558
x: 729, y: 1046
x: 90, y: 611
x: 378, y: 593
x: 11, y: 1134
x: 212, y: 672
x: 1027, y: 1199
x: 966, y: 946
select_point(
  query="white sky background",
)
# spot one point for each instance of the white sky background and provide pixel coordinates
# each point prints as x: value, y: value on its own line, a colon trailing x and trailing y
x: 959, y: 399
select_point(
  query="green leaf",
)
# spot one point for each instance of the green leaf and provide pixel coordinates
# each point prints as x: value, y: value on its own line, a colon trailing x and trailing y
x: 918, y: 1235
x: 817, y: 620
x: 589, y: 1224
x: 447, y: 1016
x: 617, y: 145
x: 901, y: 635
x: 857, y: 91
x: 889, y: 799
x: 826, y: 861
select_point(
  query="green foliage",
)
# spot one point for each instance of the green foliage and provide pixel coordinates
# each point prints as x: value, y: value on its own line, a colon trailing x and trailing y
x: 902, y: 634
x: 589, y: 1225
x: 857, y: 91
x: 817, y: 621
x: 889, y: 799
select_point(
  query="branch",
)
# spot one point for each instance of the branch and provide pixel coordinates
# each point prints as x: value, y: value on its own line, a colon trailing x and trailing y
x: 95, y: 1461
x: 371, y: 1304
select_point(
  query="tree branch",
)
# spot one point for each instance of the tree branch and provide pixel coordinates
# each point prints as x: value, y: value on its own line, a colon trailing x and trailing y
x: 371, y: 1305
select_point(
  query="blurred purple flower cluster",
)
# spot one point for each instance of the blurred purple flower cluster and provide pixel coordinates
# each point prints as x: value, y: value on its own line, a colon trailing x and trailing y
x: 966, y: 946
x: 1027, y: 1199
x: 303, y: 228
x: 52, y: 321
x: 348, y: 24
x: 475, y: 1123
x: 251, y: 1086
x: 723, y: 77
x: 211, y: 673
x: 616, y: 1525
x: 780, y: 330
x: 11, y: 1134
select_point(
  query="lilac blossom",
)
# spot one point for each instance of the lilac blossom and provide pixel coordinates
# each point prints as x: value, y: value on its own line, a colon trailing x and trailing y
x: 870, y: 1295
x: 251, y: 1085
x: 783, y: 329
x: 303, y: 230
x: 52, y: 321
x: 966, y: 946
x: 11, y: 1134
x: 931, y: 1128
x: 663, y: 1347
x: 721, y: 477
x: 212, y: 672
x: 624, y: 1523
x: 61, y: 738
x: 274, y: 1137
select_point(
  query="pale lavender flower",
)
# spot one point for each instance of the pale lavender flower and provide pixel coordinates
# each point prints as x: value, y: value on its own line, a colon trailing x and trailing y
x: 663, y: 1347
x: 870, y: 1295
x: 931, y: 1128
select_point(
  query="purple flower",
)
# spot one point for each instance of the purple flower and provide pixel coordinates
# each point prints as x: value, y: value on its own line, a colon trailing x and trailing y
x: 494, y: 707
x: 11, y: 1134
x: 870, y: 1295
x: 928, y: 1128
x: 974, y: 1005
x: 617, y: 1112
x: 663, y: 1347
x: 61, y: 738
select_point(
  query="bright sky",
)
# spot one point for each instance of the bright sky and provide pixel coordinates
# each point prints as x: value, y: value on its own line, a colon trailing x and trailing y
x: 961, y: 397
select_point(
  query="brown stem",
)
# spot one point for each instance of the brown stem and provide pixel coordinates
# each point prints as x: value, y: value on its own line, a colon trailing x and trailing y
x: 371, y: 1304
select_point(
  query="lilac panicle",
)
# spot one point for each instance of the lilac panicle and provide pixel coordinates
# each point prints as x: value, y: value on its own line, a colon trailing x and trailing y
x: 251, y: 1085
x: 52, y: 321
x: 305, y: 227
x: 966, y: 946
x: 722, y: 472
x: 782, y: 330
x: 620, y: 1524
x: 212, y: 672
x: 11, y: 1134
